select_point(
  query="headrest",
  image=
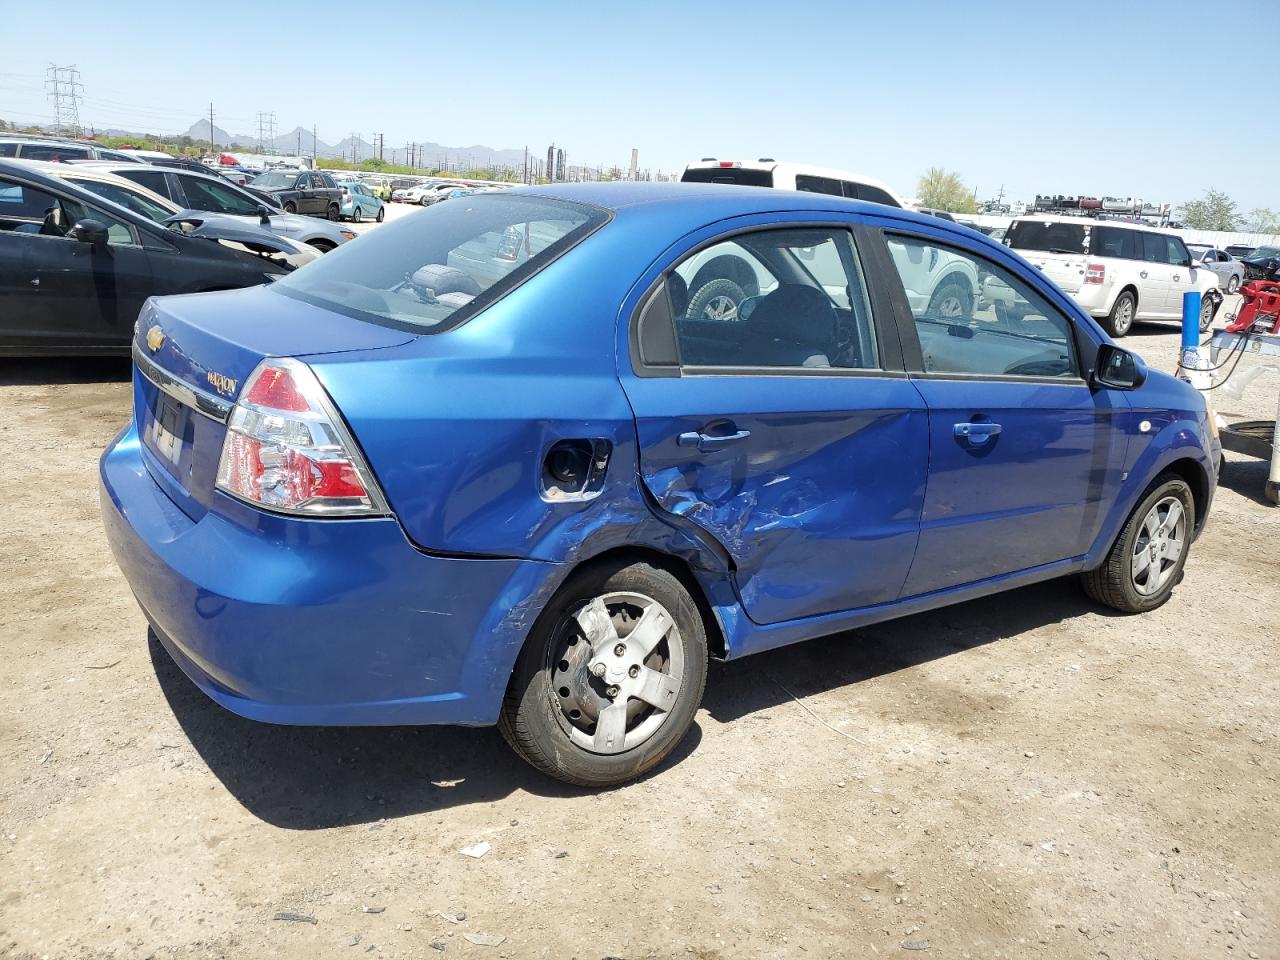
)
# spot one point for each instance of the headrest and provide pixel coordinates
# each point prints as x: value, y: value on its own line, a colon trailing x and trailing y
x: 440, y: 279
x: 798, y: 314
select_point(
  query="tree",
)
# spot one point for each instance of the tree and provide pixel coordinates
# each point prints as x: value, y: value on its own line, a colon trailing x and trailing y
x: 1214, y: 211
x: 1262, y: 220
x: 943, y: 190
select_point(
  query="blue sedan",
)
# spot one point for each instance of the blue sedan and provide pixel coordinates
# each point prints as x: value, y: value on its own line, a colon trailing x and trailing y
x: 358, y: 203
x: 532, y: 458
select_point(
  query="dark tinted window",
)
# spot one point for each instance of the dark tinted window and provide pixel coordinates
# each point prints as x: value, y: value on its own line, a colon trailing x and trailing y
x: 126, y: 198
x: 746, y: 178
x: 153, y: 180
x: 1049, y: 237
x: 8, y: 149
x: 326, y: 180
x: 52, y: 151
x: 1176, y: 251
x: 810, y: 184
x: 872, y: 194
x: 1115, y: 242
x: 18, y: 201
x: 216, y: 197
x: 1154, y: 248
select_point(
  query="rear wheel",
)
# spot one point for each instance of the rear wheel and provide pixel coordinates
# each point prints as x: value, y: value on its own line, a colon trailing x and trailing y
x: 953, y: 300
x: 324, y: 246
x: 382, y: 214
x: 290, y: 207
x: 1207, y: 310
x: 610, y: 678
x: 333, y: 212
x: 1120, y: 320
x: 716, y: 300
x: 1146, y: 561
x: 357, y: 215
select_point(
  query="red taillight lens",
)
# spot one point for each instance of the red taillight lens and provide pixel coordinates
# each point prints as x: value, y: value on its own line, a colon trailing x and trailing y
x: 286, y: 449
x: 730, y: 163
x: 1095, y: 273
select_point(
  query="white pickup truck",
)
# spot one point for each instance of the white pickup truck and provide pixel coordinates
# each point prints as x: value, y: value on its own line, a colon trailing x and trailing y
x: 1118, y: 272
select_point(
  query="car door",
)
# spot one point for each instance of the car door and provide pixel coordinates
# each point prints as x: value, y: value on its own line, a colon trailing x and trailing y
x: 788, y: 436
x: 1155, y: 273
x: 1023, y: 453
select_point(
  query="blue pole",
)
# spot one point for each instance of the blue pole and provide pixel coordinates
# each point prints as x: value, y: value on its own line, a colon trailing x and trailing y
x: 1190, y: 320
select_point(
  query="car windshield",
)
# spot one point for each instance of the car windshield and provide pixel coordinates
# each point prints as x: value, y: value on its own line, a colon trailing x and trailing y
x: 1048, y: 237
x: 1265, y: 252
x: 275, y: 180
x: 430, y: 272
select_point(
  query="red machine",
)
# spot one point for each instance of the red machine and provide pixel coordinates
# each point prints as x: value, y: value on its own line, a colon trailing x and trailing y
x: 1259, y: 310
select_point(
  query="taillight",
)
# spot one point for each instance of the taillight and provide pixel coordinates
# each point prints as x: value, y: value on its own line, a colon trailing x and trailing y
x: 1095, y: 273
x: 288, y: 450
x: 730, y: 163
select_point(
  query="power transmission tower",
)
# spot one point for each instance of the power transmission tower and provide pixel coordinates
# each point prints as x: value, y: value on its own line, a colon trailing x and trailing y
x: 64, y: 92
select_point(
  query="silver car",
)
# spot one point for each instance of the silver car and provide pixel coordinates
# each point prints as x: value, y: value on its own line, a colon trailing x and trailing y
x: 1230, y: 271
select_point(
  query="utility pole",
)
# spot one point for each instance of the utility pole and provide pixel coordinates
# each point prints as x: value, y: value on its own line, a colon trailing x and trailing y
x: 355, y: 149
x: 381, y: 139
x: 213, y: 144
x: 313, y: 145
x: 64, y: 91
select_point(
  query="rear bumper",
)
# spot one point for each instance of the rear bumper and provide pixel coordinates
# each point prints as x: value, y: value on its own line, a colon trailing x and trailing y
x: 319, y: 621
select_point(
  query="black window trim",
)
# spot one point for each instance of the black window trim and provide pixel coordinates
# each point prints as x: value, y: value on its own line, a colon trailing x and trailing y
x: 911, y: 340
x: 887, y: 332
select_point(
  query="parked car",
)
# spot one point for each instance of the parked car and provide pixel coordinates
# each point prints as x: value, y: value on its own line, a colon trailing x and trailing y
x: 1241, y: 251
x: 429, y: 193
x: 1117, y: 273
x: 75, y: 269
x: 320, y: 533
x: 190, y: 190
x: 358, y: 202
x: 401, y: 186
x: 59, y: 151
x: 302, y: 191
x: 1261, y: 264
x: 1229, y: 270
x: 785, y: 175
x: 940, y: 214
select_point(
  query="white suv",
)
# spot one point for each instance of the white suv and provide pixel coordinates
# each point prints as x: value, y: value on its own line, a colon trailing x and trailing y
x: 1118, y: 272
x: 784, y: 175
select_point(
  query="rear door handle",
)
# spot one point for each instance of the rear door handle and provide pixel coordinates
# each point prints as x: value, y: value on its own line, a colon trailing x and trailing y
x: 706, y: 441
x: 976, y: 433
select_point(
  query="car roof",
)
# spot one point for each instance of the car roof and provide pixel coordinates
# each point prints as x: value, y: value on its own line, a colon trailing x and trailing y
x: 95, y: 171
x: 30, y: 170
x: 1093, y: 222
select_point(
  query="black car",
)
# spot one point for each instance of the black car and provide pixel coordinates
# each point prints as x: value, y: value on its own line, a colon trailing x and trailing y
x: 1262, y: 264
x: 301, y: 191
x: 1241, y: 250
x: 75, y: 269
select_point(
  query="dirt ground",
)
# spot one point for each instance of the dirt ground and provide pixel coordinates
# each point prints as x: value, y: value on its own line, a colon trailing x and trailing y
x: 1027, y: 775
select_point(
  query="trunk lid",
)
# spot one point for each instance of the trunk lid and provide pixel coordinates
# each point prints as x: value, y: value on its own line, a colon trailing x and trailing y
x: 192, y: 355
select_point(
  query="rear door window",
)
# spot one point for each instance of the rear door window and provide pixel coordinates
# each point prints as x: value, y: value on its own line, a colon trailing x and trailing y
x: 1154, y: 248
x: 153, y: 180
x: 1048, y: 237
x: 52, y: 151
x: 870, y: 194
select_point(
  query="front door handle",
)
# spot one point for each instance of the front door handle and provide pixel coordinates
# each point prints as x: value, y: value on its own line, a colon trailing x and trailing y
x: 976, y: 433
x: 707, y: 441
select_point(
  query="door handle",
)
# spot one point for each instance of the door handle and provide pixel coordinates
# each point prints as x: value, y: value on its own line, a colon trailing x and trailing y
x: 706, y: 441
x: 976, y: 433
x: 1143, y: 274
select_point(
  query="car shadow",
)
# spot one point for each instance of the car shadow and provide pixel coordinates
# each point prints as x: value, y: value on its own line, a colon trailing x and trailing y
x: 306, y: 778
x: 42, y: 370
x: 1246, y: 476
x: 309, y: 778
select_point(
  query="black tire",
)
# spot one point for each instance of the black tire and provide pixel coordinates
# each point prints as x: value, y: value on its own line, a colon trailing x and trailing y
x: 535, y: 719
x: 1208, y: 307
x: 334, y: 212
x: 1112, y: 583
x: 1120, y: 320
x: 357, y: 215
x: 382, y: 213
x: 1233, y: 284
x: 952, y: 300
x: 290, y: 207
x: 324, y: 246
x: 727, y: 266
x: 716, y: 300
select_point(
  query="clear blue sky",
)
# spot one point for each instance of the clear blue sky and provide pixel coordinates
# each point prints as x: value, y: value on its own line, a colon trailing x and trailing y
x: 1039, y: 97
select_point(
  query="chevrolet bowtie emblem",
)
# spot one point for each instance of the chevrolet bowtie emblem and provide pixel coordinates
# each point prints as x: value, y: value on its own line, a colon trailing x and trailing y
x: 155, y: 338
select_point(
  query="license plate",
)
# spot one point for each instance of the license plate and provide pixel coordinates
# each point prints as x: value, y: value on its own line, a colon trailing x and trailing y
x: 167, y: 429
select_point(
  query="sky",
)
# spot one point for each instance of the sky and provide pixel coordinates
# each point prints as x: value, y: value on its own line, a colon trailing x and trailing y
x: 1128, y: 98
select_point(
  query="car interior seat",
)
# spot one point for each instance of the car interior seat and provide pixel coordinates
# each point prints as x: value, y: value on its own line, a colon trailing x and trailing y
x: 793, y: 326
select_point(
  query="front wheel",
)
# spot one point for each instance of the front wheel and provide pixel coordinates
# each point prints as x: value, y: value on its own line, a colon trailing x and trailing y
x: 1207, y: 309
x: 1120, y: 320
x: 610, y: 678
x: 951, y: 301
x: 716, y: 300
x: 357, y: 215
x: 1146, y: 561
x: 290, y: 207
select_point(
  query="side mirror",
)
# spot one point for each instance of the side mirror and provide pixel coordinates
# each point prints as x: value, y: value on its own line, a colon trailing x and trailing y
x: 90, y: 231
x: 264, y: 215
x: 1117, y: 369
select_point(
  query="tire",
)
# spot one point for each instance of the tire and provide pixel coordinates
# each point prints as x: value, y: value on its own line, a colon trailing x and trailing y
x: 333, y: 212
x: 324, y: 246
x: 716, y: 300
x: 290, y: 207
x: 1120, y: 320
x: 1207, y: 310
x: 382, y: 214
x: 1118, y: 583
x: 1233, y: 284
x: 952, y: 300
x: 357, y: 215
x: 547, y: 715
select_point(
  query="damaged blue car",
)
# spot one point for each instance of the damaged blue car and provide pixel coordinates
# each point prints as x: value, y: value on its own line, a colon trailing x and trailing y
x: 532, y: 458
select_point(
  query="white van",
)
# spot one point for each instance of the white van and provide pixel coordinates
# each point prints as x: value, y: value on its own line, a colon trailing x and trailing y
x: 1118, y: 272
x: 783, y: 175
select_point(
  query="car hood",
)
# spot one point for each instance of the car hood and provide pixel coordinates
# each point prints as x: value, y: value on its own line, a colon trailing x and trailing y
x: 244, y: 230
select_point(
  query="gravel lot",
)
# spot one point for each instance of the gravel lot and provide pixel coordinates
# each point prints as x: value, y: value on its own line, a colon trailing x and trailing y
x: 1024, y: 775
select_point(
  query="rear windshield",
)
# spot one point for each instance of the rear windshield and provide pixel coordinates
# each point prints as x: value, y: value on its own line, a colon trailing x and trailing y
x: 1048, y: 237
x: 738, y: 175
x: 430, y: 272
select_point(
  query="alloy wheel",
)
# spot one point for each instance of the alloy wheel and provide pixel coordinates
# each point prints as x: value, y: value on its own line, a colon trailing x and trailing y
x: 617, y: 665
x: 1158, y: 546
x: 1124, y: 316
x: 721, y: 308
